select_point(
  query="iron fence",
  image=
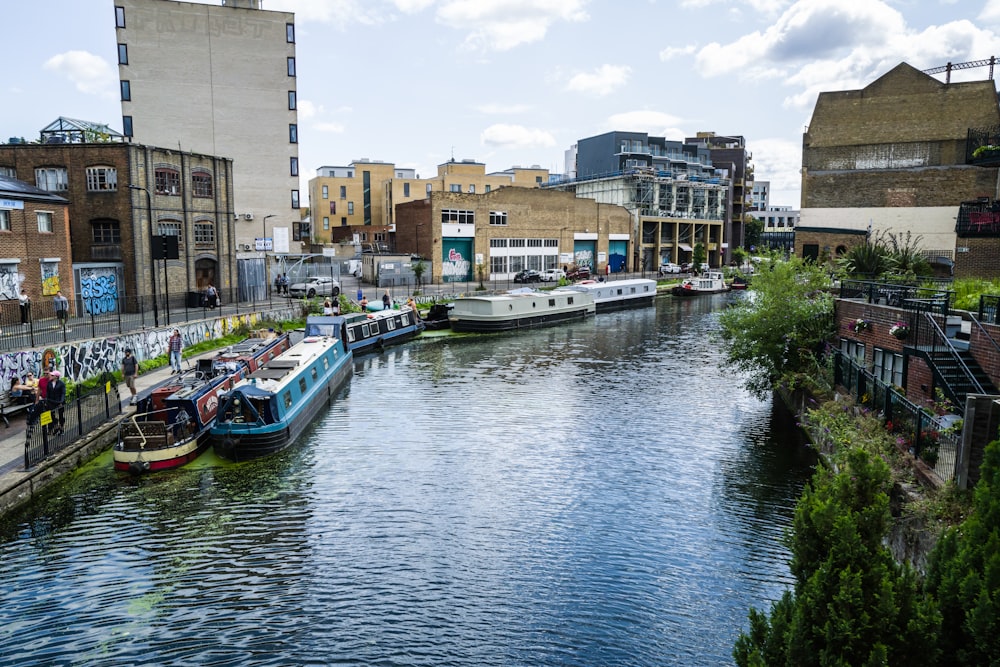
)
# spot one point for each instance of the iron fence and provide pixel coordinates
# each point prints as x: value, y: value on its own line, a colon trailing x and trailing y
x: 48, y: 430
x: 910, y: 297
x: 922, y: 434
x: 988, y: 308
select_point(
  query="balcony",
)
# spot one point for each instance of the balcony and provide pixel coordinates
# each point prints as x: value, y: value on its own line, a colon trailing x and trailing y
x: 980, y: 218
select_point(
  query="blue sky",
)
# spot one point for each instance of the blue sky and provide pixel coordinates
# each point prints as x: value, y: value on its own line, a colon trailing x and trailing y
x: 516, y: 82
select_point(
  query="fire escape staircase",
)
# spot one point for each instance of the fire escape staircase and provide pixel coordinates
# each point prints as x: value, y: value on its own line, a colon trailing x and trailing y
x: 956, y: 372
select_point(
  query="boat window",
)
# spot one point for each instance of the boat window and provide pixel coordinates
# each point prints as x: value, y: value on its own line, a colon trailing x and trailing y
x: 326, y: 363
x: 302, y: 385
x: 315, y: 373
x: 374, y: 328
x: 569, y: 300
x: 288, y: 399
x: 552, y: 303
x: 405, y: 319
x: 390, y: 323
x: 350, y: 335
x: 365, y: 332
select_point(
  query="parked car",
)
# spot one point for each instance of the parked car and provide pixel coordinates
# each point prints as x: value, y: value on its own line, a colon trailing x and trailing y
x: 553, y: 275
x: 579, y: 273
x: 669, y: 267
x: 316, y: 286
x: 527, y: 276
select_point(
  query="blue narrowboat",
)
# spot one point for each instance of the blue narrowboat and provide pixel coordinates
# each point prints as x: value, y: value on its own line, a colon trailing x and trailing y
x: 365, y: 332
x: 267, y: 411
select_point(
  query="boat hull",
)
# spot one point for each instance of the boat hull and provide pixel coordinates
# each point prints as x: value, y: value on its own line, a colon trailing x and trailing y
x: 469, y: 325
x: 164, y: 458
x: 519, y: 309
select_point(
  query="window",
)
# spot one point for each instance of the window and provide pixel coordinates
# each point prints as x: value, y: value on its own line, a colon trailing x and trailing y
x: 853, y: 349
x: 343, y: 222
x: 44, y: 221
x: 350, y: 208
x: 123, y: 54
x: 9, y: 172
x: 461, y: 217
x: 472, y: 189
x: 326, y: 223
x: 538, y: 179
x: 4, y: 220
x: 290, y: 33
x: 295, y: 198
x: 552, y: 243
x: 201, y: 184
x: 343, y: 192
x: 534, y: 243
x: 204, y: 232
x: 498, y: 243
x: 106, y: 232
x: 429, y: 188
x: 291, y: 66
x: 168, y: 181
x: 488, y: 188
x: 518, y: 243
x: 333, y: 208
x: 127, y: 126
x: 102, y: 179
x: 456, y: 187
x: 291, y: 100
x: 498, y: 264
x: 326, y: 192
x: 53, y: 179
x: 119, y: 17
x: 406, y: 189
x: 498, y: 218
x: 888, y: 367
x: 293, y: 166
x: 126, y: 91
x: 293, y: 133
x: 169, y: 228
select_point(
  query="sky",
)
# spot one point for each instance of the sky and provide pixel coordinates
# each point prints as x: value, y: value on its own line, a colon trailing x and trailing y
x: 517, y: 82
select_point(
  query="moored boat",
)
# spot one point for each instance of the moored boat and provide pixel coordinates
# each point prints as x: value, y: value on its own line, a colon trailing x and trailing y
x: 437, y: 317
x: 519, y: 309
x: 172, y: 419
x: 739, y: 282
x: 619, y: 294
x: 268, y: 410
x: 709, y: 282
x: 364, y: 332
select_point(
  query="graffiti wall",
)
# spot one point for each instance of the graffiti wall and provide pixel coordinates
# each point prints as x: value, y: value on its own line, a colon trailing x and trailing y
x: 99, y: 290
x: 456, y: 260
x: 10, y: 284
x: 50, y: 278
x: 85, y: 359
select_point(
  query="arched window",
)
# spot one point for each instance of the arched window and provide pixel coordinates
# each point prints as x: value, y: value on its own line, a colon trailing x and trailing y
x: 168, y: 181
x: 201, y: 184
x: 204, y: 233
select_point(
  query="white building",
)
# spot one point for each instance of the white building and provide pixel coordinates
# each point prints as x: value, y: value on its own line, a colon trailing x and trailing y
x: 219, y: 80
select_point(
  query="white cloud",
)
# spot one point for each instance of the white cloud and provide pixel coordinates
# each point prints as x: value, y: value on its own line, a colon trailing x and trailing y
x: 501, y: 25
x: 656, y: 123
x: 90, y: 74
x: 340, y: 13
x: 778, y: 161
x: 673, y: 51
x: 516, y: 136
x: 990, y: 13
x: 412, y: 6
x: 492, y: 108
x: 308, y: 110
x: 602, y: 81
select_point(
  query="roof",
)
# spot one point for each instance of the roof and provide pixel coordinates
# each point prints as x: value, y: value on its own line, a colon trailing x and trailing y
x: 11, y: 188
x: 72, y: 131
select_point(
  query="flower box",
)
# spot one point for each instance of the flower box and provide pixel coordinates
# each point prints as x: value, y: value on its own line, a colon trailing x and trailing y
x: 900, y: 330
x: 859, y: 325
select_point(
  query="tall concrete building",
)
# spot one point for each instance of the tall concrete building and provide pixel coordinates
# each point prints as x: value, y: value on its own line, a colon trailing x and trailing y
x: 220, y: 80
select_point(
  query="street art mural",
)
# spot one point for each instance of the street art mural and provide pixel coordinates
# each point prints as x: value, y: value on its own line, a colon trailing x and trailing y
x: 99, y: 291
x: 454, y: 265
x: 10, y: 283
x: 85, y: 359
x: 50, y: 278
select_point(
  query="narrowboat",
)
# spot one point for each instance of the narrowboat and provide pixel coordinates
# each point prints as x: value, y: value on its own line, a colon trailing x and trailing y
x: 618, y: 294
x: 270, y: 408
x: 519, y: 309
x: 709, y: 282
x: 364, y: 332
x: 172, y: 420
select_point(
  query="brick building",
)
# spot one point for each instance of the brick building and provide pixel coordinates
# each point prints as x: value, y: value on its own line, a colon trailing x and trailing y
x: 109, y: 226
x: 510, y: 229
x: 894, y: 156
x: 34, y: 245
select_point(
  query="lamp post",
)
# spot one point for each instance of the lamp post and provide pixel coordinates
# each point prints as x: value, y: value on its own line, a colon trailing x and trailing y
x: 152, y: 262
x: 263, y: 248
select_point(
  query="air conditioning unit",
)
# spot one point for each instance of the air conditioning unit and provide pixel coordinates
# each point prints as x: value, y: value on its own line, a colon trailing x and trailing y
x: 245, y: 246
x: 248, y: 216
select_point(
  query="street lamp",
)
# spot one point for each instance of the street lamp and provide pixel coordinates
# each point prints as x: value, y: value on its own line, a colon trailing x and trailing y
x: 263, y: 248
x: 152, y: 262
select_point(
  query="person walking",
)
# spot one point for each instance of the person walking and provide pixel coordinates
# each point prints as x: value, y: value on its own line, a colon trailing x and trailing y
x: 61, y: 305
x: 130, y: 369
x: 284, y: 284
x: 25, y: 302
x: 211, y: 296
x: 327, y: 307
x: 175, y: 345
x: 55, y: 400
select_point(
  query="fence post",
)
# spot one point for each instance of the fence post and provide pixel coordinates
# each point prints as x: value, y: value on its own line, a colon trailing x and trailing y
x: 79, y: 416
x: 107, y: 398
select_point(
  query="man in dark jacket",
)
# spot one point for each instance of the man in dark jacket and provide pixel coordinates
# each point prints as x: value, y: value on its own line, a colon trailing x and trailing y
x: 55, y: 399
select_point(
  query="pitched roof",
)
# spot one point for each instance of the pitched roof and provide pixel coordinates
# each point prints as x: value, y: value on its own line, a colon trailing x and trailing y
x: 11, y: 188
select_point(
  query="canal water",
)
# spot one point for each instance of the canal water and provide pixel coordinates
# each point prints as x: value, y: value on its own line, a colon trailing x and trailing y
x: 599, y: 493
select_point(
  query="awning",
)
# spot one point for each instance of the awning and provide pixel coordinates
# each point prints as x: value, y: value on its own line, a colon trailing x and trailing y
x: 684, y: 246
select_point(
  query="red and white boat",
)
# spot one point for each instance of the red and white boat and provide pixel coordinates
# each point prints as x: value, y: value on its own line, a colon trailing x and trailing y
x: 709, y: 282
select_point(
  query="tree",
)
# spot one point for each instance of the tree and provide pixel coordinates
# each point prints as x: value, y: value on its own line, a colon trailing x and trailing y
x: 852, y: 603
x: 698, y: 256
x: 418, y: 272
x: 481, y: 272
x: 752, y: 229
x: 783, y: 329
x: 964, y: 574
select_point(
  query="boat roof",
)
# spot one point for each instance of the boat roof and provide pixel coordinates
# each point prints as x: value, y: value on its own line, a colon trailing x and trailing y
x: 283, y: 369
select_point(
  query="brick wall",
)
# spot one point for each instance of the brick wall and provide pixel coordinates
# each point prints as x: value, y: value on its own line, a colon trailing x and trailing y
x: 982, y: 259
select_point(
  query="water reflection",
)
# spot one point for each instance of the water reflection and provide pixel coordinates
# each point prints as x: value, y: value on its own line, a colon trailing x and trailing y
x: 600, y: 493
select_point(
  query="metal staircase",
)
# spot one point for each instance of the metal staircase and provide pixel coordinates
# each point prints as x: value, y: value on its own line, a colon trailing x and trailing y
x: 955, y: 370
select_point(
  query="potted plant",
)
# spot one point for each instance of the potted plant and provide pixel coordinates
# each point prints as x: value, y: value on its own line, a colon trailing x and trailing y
x: 900, y: 330
x: 859, y: 325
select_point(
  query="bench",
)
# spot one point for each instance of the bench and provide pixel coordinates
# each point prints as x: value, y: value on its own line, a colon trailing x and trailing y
x: 9, y: 406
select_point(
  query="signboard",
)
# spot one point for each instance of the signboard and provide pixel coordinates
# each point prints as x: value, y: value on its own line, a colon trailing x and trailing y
x: 263, y: 245
x: 12, y: 204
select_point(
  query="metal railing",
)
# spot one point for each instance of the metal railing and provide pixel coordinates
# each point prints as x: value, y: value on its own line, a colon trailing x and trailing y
x: 924, y: 435
x: 910, y: 297
x: 930, y: 339
x: 50, y: 429
x: 988, y: 308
